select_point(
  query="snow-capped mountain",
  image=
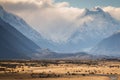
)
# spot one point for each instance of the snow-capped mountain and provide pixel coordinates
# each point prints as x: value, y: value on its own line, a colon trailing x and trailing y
x: 101, y: 25
x: 23, y: 27
x: 109, y: 46
x: 13, y: 44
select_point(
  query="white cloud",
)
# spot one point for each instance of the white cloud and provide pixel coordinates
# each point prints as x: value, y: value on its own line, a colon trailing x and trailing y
x: 114, y: 12
x: 55, y: 21
x: 62, y: 4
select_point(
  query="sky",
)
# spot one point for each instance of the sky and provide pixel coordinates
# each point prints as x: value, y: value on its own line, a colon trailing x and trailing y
x: 57, y: 20
x: 91, y: 3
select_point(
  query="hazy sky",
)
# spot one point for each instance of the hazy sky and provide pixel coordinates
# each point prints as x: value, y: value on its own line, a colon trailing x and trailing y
x: 57, y: 19
x: 91, y: 3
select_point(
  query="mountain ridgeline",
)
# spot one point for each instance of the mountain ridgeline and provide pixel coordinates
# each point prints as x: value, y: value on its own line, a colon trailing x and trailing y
x: 19, y: 24
x: 86, y: 36
x: 20, y: 41
x: 109, y: 46
x: 13, y: 44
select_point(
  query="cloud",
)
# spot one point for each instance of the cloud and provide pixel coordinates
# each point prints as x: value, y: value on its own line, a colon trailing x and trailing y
x: 113, y: 11
x: 25, y: 5
x: 55, y: 21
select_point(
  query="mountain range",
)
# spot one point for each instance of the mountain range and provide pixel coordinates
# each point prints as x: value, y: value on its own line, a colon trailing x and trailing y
x: 87, y: 36
x: 109, y: 46
x: 13, y: 44
x: 92, y: 32
x: 23, y: 27
x: 18, y: 40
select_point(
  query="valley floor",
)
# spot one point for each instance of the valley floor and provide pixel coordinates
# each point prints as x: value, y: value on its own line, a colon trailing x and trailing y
x: 60, y: 70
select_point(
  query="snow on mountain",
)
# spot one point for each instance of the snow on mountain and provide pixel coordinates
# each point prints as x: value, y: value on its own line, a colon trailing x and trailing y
x: 13, y: 44
x: 109, y: 46
x: 23, y: 27
x: 99, y: 25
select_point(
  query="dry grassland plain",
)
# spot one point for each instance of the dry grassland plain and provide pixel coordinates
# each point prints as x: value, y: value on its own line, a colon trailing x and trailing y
x: 60, y: 70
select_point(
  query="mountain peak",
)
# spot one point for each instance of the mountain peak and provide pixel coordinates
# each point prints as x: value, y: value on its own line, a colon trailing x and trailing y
x: 86, y: 11
x: 95, y: 10
x: 98, y: 9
